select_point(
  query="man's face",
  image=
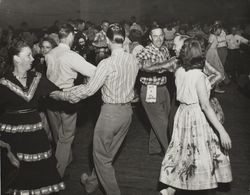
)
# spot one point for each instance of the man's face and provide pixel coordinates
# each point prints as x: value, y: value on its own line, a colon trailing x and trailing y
x: 105, y: 26
x: 218, y: 32
x: 157, y: 37
x: 81, y: 26
x: 234, y: 30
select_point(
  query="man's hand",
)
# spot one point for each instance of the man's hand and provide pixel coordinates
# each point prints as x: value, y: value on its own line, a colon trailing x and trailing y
x: 75, y: 99
x: 76, y: 94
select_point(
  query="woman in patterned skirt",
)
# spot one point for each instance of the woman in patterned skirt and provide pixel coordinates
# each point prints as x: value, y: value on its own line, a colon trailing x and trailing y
x: 197, y: 157
x: 21, y: 127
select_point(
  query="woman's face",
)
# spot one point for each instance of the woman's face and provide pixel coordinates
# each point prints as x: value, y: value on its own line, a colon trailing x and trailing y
x: 81, y: 42
x: 46, y: 47
x: 178, y: 43
x: 24, y: 59
x: 218, y: 31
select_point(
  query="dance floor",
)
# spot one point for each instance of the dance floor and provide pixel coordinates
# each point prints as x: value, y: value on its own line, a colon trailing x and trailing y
x: 137, y: 172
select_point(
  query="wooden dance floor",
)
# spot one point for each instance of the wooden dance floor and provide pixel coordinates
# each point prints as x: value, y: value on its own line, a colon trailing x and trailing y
x: 137, y: 172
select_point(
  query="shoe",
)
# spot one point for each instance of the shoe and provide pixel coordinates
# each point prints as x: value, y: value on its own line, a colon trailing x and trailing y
x: 163, y: 192
x: 218, y: 90
x: 91, y: 184
x: 161, y: 154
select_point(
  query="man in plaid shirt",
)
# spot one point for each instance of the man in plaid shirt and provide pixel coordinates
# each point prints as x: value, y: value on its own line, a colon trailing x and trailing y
x: 154, y: 93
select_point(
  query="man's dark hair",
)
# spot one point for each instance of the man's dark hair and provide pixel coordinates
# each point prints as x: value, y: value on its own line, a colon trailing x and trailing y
x: 65, y: 30
x: 153, y: 27
x: 135, y: 36
x: 215, y: 27
x: 116, y: 33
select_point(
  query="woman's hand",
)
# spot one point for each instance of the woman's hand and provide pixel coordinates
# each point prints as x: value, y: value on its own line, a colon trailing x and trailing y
x: 13, y: 159
x: 10, y: 155
x: 225, y: 140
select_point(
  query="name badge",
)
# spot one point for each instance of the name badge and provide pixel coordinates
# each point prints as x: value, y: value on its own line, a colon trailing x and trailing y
x: 151, y: 93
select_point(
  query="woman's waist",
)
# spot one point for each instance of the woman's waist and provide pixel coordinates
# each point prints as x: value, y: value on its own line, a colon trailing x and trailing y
x: 20, y: 111
x: 22, y: 116
x: 191, y: 104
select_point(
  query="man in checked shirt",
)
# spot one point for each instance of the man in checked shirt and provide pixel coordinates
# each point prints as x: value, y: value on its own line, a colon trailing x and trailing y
x: 154, y: 93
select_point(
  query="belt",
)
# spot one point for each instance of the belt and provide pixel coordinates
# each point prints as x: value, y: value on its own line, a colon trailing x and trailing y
x: 119, y: 104
x: 20, y: 111
x: 163, y: 85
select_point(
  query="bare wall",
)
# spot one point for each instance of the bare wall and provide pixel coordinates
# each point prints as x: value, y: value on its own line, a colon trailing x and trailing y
x: 37, y: 13
x: 44, y: 12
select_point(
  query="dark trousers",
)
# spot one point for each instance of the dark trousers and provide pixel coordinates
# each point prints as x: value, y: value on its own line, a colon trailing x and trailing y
x: 234, y: 63
x: 222, y: 52
x: 158, y: 114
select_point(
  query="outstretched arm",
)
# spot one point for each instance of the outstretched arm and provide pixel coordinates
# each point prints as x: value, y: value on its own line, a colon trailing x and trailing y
x: 96, y: 82
x: 169, y: 65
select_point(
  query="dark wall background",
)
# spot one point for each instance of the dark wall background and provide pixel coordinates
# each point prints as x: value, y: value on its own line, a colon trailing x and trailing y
x: 37, y: 12
x: 45, y: 12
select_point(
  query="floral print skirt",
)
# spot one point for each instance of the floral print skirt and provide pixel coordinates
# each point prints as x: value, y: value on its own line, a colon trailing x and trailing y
x: 195, y: 159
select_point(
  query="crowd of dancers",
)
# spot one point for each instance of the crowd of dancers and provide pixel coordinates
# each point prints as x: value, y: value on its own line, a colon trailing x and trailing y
x: 45, y: 72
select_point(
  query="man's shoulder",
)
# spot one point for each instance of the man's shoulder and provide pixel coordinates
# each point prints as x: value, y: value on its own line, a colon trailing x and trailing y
x: 70, y: 54
x: 55, y: 51
x: 149, y: 47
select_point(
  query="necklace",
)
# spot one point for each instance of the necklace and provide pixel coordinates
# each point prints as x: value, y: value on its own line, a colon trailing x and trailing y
x: 20, y: 77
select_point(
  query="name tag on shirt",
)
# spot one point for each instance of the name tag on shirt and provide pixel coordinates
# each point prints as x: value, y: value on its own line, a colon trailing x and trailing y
x: 151, y: 93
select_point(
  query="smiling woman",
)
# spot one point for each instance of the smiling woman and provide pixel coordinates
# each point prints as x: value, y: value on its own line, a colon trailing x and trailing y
x: 21, y: 127
x: 22, y: 63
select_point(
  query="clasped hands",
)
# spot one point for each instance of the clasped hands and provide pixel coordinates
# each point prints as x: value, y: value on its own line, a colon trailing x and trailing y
x: 75, y: 94
x: 72, y: 95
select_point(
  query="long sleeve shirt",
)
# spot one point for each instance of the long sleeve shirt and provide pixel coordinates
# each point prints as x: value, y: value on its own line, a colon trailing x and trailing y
x: 115, y: 76
x: 63, y: 65
x: 234, y: 41
x: 154, y: 55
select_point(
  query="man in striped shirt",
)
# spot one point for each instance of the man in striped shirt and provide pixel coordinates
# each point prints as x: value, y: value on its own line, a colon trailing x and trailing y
x: 154, y: 93
x: 116, y: 77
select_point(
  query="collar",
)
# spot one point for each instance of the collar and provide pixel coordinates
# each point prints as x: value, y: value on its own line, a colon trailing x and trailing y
x: 155, y: 48
x: 103, y: 32
x: 116, y: 51
x: 63, y: 45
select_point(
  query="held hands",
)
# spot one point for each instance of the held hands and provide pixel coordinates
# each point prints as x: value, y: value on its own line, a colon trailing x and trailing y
x: 72, y: 95
x: 225, y: 140
x: 75, y: 94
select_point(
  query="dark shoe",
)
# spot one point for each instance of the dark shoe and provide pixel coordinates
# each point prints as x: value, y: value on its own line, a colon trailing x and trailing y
x: 219, y: 90
x: 91, y: 184
x: 162, y: 154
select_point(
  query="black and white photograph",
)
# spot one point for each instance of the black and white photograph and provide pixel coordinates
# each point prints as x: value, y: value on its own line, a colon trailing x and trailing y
x: 125, y: 97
